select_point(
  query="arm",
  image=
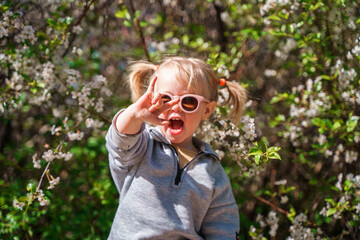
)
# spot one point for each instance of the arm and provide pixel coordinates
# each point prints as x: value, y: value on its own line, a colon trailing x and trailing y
x: 222, y: 218
x: 125, y: 140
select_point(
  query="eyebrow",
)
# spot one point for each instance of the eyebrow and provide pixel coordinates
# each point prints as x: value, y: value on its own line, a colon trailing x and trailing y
x: 167, y: 92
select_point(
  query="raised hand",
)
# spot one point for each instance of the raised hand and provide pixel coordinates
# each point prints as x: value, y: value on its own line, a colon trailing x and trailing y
x: 149, y: 106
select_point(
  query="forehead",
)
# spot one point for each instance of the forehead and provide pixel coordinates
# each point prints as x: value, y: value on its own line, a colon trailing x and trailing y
x: 169, y: 84
x: 173, y: 77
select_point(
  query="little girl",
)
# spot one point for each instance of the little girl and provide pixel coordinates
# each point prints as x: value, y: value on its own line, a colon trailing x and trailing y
x: 171, y: 184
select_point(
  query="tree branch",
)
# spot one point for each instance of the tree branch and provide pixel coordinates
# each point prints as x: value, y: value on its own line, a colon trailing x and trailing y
x: 276, y: 207
x: 137, y: 23
x: 73, y: 35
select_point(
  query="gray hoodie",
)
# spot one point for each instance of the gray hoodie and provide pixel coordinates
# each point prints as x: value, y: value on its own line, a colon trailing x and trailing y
x: 160, y: 201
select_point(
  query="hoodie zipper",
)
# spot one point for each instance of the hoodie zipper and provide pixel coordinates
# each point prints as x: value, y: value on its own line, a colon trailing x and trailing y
x: 179, y: 170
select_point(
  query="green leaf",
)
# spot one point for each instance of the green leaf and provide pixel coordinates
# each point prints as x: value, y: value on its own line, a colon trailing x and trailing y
x: 325, y: 77
x: 317, y: 122
x: 278, y: 119
x: 336, y: 126
x: 274, y: 149
x: 137, y: 14
x: 316, y: 6
x: 33, y: 90
x: 274, y: 155
x: 51, y: 22
x: 23, y: 199
x: 352, y: 123
x: 29, y: 187
x: 68, y: 20
x: 257, y: 159
x: 279, y: 97
x: 127, y: 23
x: 291, y: 28
x: 330, y: 212
x: 330, y: 201
x: 123, y: 13
x: 143, y: 24
x: 262, y: 146
x: 120, y: 14
x: 254, y: 151
x: 274, y: 17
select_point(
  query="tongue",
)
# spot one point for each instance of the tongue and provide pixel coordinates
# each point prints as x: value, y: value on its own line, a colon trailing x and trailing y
x: 176, y: 124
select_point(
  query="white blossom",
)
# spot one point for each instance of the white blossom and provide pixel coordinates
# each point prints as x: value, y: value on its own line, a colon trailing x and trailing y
x: 36, y: 161
x: 28, y: 33
x: 71, y: 80
x: 89, y: 122
x: 98, y: 81
x: 53, y: 182
x: 357, y: 208
x: 281, y: 182
x: 73, y: 72
x: 49, y: 155
x: 40, y: 197
x: 48, y: 73
x: 322, y: 139
x: 77, y: 29
x: 18, y: 205
x: 338, y: 183
x: 270, y: 73
x: 249, y: 128
x: 272, y: 220
x: 350, y: 156
x: 99, y: 106
x: 86, y: 91
x: 75, y: 135
x: 55, y: 130
x: 284, y: 199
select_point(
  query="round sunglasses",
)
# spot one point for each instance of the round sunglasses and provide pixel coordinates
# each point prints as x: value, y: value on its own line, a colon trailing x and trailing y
x: 188, y: 102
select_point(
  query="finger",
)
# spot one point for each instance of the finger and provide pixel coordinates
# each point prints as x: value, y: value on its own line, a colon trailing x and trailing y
x: 152, y: 84
x: 156, y: 98
x: 158, y: 104
x: 168, y: 105
x: 153, y: 108
x: 164, y: 122
x: 160, y: 121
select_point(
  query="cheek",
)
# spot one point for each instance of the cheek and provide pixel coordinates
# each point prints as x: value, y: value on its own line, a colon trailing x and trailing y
x: 194, y: 119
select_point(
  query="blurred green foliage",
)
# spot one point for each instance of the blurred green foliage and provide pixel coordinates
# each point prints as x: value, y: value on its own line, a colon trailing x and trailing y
x: 272, y: 47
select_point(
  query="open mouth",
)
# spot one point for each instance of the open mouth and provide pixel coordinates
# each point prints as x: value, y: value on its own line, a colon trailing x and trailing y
x: 176, y: 126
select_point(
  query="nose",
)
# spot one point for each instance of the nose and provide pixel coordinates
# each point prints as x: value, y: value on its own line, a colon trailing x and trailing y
x: 176, y: 107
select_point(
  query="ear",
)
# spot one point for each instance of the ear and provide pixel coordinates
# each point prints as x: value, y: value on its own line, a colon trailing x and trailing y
x: 209, y: 108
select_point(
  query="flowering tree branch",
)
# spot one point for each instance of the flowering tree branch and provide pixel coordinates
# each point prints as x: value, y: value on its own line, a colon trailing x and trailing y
x: 77, y: 23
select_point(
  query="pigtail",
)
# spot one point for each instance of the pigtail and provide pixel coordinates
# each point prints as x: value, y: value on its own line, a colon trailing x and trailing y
x: 139, y: 77
x: 237, y: 99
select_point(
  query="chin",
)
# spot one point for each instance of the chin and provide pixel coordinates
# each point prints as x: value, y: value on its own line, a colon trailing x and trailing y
x: 173, y: 138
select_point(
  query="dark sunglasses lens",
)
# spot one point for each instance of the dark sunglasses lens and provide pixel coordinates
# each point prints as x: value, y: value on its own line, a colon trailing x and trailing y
x: 189, y: 103
x: 165, y: 98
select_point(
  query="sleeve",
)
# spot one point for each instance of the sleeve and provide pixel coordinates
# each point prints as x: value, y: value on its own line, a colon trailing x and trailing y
x: 222, y: 218
x: 125, y: 150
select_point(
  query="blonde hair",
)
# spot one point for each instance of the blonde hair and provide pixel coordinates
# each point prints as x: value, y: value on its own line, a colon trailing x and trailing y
x: 198, y: 76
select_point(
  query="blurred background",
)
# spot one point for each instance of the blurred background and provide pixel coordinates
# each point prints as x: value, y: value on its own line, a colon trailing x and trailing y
x: 64, y: 75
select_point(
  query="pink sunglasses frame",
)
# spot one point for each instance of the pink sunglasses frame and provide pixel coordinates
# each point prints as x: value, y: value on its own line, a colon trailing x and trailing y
x: 197, y: 97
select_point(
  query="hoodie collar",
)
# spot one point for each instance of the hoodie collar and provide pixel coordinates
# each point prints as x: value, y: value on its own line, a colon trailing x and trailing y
x: 201, y: 145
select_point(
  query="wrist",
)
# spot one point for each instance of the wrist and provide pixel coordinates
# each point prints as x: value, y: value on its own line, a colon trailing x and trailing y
x: 135, y: 113
x: 128, y: 122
